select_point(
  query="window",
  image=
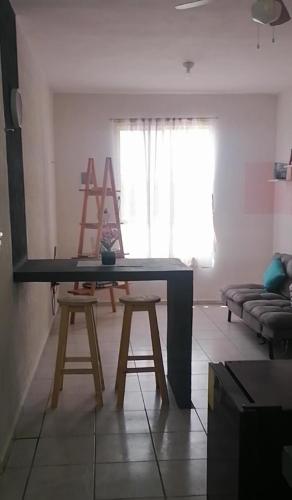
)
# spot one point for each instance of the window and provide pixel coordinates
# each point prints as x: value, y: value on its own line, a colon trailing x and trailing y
x: 167, y: 173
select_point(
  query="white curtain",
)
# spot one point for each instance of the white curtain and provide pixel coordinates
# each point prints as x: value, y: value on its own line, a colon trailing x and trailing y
x: 167, y: 173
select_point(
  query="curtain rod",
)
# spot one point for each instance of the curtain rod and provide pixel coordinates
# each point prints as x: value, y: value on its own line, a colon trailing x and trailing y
x: 172, y: 118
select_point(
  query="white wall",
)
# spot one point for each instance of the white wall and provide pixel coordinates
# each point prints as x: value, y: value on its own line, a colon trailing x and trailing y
x: 243, y: 198
x: 25, y: 309
x: 283, y: 190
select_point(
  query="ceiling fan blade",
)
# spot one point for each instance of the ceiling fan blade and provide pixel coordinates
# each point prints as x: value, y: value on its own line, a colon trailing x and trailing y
x: 284, y: 16
x: 190, y: 5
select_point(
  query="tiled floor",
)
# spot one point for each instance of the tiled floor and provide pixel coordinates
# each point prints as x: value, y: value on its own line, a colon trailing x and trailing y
x: 79, y: 453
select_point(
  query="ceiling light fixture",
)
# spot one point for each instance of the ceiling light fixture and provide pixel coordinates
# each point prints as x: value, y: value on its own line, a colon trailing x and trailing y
x: 266, y: 12
x: 188, y: 65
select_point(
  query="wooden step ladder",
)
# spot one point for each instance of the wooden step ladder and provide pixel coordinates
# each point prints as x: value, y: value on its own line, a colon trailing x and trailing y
x: 100, y: 193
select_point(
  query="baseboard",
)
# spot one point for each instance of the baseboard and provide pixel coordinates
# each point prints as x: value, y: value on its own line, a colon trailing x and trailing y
x: 164, y: 302
x: 208, y: 303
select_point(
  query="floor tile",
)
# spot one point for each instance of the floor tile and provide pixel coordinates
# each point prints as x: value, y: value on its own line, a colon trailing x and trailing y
x: 132, y: 383
x: 200, y: 398
x: 202, y: 324
x: 12, y: 483
x: 65, y: 451
x: 71, y: 401
x: 203, y: 415
x: 132, y: 480
x: 180, y: 445
x: 200, y: 381
x: 22, y: 452
x: 121, y: 422
x: 174, y: 421
x: 147, y: 382
x: 66, y: 423
x: 152, y: 400
x: 199, y: 355
x: 72, y: 482
x: 132, y: 401
x: 220, y: 349
x: 124, y: 448
x: 29, y: 424
x: 77, y: 384
x: 200, y: 367
x: 208, y: 334
x: 184, y: 477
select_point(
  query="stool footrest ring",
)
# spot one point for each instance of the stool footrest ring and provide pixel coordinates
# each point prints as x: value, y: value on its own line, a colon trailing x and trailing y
x: 137, y: 358
x: 78, y: 359
x: 74, y: 371
x: 142, y: 369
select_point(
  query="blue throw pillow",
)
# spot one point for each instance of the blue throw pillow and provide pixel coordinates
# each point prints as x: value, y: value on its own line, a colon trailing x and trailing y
x: 274, y: 275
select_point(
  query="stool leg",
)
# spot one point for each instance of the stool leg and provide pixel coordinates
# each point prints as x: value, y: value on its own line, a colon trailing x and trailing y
x: 72, y: 318
x: 158, y: 361
x: 123, y: 356
x: 64, y: 323
x: 93, y: 354
x: 112, y: 296
x: 64, y: 349
x: 98, y: 351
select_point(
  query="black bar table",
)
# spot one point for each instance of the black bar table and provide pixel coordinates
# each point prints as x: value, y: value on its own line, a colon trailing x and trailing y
x: 179, y: 301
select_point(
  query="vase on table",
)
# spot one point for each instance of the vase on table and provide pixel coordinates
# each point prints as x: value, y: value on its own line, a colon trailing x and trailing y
x: 108, y: 258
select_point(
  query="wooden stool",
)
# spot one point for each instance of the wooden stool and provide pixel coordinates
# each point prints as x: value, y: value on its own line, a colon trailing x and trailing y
x: 132, y: 304
x: 72, y: 305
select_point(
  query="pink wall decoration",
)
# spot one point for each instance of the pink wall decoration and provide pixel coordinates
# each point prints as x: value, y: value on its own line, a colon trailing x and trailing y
x: 259, y: 193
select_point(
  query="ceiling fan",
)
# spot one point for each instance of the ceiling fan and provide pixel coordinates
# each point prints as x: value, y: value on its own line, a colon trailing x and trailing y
x: 273, y: 12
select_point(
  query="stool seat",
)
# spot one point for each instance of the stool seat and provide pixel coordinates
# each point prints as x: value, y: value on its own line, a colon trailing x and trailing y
x: 75, y: 300
x: 139, y: 299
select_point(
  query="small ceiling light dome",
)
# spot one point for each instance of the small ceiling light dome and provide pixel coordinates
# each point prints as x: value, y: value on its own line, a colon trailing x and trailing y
x: 266, y: 11
x: 188, y: 66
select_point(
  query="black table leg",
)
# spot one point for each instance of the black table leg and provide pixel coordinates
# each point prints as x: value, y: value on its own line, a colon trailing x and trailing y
x: 179, y: 336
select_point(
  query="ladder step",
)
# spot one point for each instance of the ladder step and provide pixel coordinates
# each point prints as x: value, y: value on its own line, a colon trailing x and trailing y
x: 99, y: 191
x: 89, y: 225
x: 95, y: 225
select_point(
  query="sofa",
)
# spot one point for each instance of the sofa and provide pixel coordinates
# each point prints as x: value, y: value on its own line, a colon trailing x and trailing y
x: 268, y: 313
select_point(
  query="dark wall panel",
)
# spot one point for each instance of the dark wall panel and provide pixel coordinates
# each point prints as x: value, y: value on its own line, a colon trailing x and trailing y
x: 9, y: 66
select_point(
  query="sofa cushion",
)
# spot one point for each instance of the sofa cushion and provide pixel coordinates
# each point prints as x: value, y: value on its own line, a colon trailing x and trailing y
x: 274, y: 315
x: 245, y: 285
x: 247, y: 293
x: 258, y: 307
x: 274, y: 275
x: 252, y: 321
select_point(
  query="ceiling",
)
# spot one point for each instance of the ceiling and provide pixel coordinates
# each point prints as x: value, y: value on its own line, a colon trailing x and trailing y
x: 136, y: 46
